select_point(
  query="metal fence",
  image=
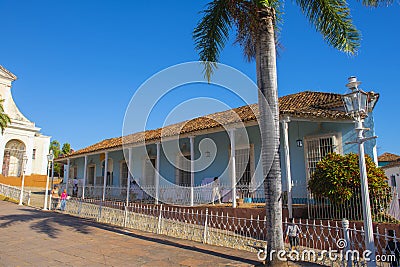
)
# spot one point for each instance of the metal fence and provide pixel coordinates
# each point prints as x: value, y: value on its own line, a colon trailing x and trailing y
x: 323, y: 242
x: 214, y: 228
x: 345, y: 243
x: 14, y: 193
x: 384, y: 206
x: 179, y: 195
x: 384, y: 203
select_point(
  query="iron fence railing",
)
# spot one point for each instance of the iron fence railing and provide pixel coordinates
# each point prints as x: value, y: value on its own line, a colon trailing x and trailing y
x: 14, y: 193
x: 179, y: 195
x: 384, y: 206
x: 324, y: 242
x: 384, y: 203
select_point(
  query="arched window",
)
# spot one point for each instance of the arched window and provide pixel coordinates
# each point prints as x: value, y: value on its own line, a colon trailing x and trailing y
x: 13, y: 158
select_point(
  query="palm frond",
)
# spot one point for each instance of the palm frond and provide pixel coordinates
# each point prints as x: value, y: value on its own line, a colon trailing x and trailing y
x: 245, y: 18
x: 332, y: 18
x: 212, y: 32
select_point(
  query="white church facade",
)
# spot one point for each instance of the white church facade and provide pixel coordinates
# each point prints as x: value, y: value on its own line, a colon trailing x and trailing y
x: 21, y: 137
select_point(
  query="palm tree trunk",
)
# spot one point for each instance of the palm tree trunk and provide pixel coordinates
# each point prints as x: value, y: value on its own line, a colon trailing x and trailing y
x: 269, y: 112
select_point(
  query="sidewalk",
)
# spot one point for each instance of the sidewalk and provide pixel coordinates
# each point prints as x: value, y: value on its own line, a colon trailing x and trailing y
x: 31, y: 237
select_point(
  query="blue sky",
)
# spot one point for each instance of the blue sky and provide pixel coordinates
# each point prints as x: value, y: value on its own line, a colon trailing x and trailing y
x: 79, y: 62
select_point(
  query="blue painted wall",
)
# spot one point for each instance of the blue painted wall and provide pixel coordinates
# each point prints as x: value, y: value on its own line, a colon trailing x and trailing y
x: 297, y: 130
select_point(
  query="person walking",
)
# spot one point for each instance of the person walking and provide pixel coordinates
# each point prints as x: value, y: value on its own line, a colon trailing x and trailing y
x: 215, y: 191
x: 292, y: 232
x: 64, y: 197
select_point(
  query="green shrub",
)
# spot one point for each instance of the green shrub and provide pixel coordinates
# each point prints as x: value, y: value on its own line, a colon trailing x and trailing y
x: 337, y: 178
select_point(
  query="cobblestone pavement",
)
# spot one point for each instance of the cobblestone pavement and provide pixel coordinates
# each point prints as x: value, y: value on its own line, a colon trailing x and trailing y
x: 37, y: 196
x: 32, y: 237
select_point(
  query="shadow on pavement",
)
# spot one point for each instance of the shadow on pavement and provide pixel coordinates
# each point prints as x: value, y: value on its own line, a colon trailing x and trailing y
x: 176, y: 244
x: 49, y: 222
x: 44, y: 222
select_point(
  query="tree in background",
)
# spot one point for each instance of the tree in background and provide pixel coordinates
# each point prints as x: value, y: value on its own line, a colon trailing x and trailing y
x: 55, y: 146
x: 4, y: 119
x: 66, y: 149
x: 337, y: 178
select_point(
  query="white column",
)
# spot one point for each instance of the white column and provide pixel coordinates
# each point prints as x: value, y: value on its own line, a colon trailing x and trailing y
x: 67, y: 174
x: 157, y: 182
x: 84, y: 178
x: 287, y: 165
x: 233, y: 166
x: 128, y: 183
x: 105, y: 175
x: 369, y: 232
x: 375, y: 154
x: 46, y: 193
x: 21, y: 196
x: 191, y: 138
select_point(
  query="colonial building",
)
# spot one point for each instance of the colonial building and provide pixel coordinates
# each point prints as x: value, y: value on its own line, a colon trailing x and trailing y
x: 312, y: 125
x: 21, y: 138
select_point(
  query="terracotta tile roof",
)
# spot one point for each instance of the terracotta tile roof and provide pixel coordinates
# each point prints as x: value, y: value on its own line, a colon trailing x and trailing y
x: 312, y: 105
x: 387, y: 157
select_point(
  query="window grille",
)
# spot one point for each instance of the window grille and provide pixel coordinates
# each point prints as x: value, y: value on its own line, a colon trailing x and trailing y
x: 243, y: 166
x: 149, y: 171
x: 316, y: 149
x: 90, y: 175
x: 183, y: 171
x: 124, y: 174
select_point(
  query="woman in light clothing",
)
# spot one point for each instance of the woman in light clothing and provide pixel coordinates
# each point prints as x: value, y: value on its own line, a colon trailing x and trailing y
x: 55, y: 198
x: 215, y: 191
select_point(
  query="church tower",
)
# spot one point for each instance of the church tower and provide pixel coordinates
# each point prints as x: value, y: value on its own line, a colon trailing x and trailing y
x: 21, y: 138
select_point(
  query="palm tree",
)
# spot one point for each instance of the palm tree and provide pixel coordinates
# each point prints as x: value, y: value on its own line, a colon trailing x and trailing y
x: 4, y: 119
x: 255, y: 23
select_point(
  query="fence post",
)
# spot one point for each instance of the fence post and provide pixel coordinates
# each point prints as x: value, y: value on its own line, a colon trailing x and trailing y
x: 346, y: 237
x: 126, y: 215
x: 80, y: 207
x: 205, y: 228
x: 29, y: 197
x: 159, y: 220
x: 99, y: 214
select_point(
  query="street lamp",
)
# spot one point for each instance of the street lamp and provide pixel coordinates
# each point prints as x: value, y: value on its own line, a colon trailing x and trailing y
x: 24, y: 161
x: 50, y: 158
x: 358, y: 104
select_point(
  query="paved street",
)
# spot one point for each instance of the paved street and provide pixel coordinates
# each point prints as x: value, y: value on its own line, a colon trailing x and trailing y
x: 30, y: 237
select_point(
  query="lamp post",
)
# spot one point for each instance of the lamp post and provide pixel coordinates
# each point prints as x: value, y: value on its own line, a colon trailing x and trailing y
x: 50, y: 158
x: 358, y: 104
x: 24, y: 161
x: 52, y: 171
